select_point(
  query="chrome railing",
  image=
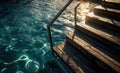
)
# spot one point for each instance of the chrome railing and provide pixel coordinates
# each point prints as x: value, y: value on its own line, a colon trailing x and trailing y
x: 53, y: 20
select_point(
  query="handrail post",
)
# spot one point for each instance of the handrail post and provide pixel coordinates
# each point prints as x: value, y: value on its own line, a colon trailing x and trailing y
x: 50, y: 38
x: 53, y: 20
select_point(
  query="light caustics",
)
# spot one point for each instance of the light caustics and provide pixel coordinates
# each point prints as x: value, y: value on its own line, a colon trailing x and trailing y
x: 85, y: 9
x: 24, y: 34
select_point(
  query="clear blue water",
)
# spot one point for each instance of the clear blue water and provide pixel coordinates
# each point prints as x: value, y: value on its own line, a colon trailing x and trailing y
x: 24, y: 41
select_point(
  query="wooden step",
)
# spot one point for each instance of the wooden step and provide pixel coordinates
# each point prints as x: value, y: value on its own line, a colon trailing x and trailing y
x: 99, y: 35
x: 76, y: 60
x: 113, y: 53
x: 113, y: 5
x: 103, y: 22
x: 79, y: 43
x: 59, y: 50
x: 109, y: 13
x: 108, y: 9
x: 114, y: 1
x: 80, y: 60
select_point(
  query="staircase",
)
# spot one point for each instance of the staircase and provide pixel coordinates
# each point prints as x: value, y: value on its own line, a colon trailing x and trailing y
x: 94, y: 47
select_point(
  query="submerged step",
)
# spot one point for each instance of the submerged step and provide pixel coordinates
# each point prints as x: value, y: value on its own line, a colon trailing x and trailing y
x: 87, y: 48
x: 106, y: 12
x: 100, y: 35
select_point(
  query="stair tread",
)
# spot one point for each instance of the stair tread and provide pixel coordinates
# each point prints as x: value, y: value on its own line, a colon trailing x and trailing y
x: 112, y: 5
x: 94, y: 51
x: 113, y: 22
x: 107, y: 12
x: 113, y: 1
x: 108, y: 9
x: 73, y: 58
x: 59, y: 50
x: 100, y: 46
x: 105, y: 35
x: 103, y: 24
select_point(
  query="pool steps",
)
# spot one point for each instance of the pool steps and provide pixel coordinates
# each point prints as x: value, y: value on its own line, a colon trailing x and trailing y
x: 94, y: 47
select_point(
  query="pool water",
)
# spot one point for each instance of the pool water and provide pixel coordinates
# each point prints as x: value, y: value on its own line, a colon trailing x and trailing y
x: 24, y: 41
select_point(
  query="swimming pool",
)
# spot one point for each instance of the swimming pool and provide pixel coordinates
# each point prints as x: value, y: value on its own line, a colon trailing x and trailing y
x: 24, y: 42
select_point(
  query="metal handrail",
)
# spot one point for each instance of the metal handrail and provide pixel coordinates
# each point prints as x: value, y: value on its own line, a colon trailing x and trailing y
x: 75, y: 12
x: 53, y: 20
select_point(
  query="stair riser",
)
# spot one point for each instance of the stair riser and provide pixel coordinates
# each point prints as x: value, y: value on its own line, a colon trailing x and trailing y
x: 108, y: 14
x: 97, y: 37
x: 97, y: 22
x: 98, y: 63
x: 111, y: 5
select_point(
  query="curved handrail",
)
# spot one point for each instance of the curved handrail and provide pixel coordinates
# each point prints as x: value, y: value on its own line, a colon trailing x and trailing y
x: 53, y: 20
